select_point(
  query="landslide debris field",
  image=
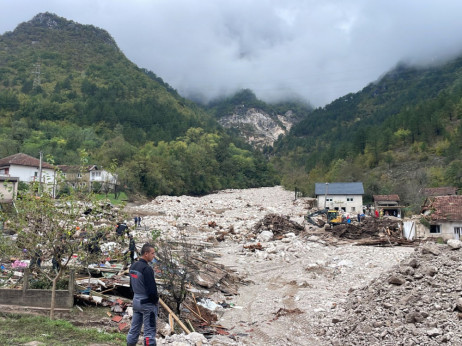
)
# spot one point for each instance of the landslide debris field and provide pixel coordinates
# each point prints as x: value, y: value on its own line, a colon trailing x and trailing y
x: 358, y: 284
x: 262, y: 275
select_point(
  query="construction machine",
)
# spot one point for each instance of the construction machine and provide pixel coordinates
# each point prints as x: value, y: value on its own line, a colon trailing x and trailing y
x: 309, y: 218
x: 334, y: 217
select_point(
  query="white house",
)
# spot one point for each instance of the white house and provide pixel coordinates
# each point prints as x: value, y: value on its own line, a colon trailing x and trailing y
x: 340, y: 196
x: 27, y: 169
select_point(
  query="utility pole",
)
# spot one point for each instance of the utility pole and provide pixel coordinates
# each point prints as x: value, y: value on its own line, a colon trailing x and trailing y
x: 40, y: 173
x: 325, y: 196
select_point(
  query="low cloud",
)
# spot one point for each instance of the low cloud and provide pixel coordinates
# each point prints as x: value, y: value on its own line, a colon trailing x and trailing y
x: 317, y: 50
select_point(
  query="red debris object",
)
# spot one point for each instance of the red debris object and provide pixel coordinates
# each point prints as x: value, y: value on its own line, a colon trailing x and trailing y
x: 122, y: 326
x: 222, y: 331
x: 117, y: 318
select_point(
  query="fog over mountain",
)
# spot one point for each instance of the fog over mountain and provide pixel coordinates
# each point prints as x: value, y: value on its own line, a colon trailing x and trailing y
x: 316, y: 50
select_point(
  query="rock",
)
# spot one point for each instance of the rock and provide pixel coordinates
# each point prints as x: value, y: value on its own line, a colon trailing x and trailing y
x: 414, y: 317
x: 434, y: 332
x: 313, y: 238
x: 459, y: 305
x: 413, y: 263
x: 431, y: 270
x: 196, y: 338
x: 431, y: 249
x: 265, y: 236
x: 163, y: 328
x: 396, y: 279
x: 454, y: 244
x: 407, y: 270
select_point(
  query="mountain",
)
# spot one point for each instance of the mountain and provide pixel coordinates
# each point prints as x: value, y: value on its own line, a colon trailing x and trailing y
x: 258, y: 123
x: 398, y: 135
x: 66, y: 89
x: 81, y: 76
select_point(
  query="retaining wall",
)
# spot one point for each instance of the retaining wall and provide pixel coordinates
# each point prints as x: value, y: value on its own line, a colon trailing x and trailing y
x: 38, y: 297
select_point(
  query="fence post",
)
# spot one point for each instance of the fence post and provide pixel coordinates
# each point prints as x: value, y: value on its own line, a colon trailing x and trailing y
x: 25, y: 281
x: 71, y: 287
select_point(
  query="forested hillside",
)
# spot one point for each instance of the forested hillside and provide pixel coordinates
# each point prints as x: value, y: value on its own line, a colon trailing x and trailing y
x: 66, y: 87
x: 397, y: 135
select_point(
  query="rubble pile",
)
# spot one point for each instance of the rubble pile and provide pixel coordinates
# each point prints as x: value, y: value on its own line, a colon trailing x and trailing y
x: 278, y: 225
x: 230, y: 214
x: 418, y: 302
x: 372, y: 231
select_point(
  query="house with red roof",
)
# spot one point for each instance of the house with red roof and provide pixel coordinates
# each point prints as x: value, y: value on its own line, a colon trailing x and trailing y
x: 443, y: 215
x: 28, y: 169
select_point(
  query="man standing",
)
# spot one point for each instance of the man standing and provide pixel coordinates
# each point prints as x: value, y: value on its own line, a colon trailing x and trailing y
x: 145, y: 299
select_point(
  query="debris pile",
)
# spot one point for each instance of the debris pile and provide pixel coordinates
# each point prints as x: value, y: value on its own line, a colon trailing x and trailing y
x: 372, y: 231
x: 278, y: 225
x: 418, y: 302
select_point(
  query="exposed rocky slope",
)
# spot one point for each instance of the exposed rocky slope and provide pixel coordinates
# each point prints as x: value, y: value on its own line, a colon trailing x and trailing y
x: 258, y: 127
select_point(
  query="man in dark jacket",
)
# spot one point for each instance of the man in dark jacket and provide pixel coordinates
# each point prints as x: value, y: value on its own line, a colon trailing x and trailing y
x: 145, y: 298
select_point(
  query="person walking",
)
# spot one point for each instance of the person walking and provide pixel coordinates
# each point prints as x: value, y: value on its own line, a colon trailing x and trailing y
x: 131, y: 249
x: 145, y: 298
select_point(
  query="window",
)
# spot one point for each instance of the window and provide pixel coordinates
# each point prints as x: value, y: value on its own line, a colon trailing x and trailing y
x: 435, y: 229
x: 457, y: 232
x: 328, y: 199
x: 95, y: 175
x: 349, y: 199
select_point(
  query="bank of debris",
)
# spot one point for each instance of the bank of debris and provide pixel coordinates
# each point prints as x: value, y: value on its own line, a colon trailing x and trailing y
x: 372, y: 231
x: 279, y: 225
x: 418, y: 302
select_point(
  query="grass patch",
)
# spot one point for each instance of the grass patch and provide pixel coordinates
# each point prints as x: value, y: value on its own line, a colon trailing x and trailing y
x: 18, y: 329
x: 121, y: 198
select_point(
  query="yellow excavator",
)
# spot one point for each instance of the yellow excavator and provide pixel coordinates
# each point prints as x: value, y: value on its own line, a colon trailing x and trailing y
x: 333, y: 217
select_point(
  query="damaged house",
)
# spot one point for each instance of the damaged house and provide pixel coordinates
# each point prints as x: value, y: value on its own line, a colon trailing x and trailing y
x: 389, y: 204
x: 88, y: 176
x: 444, y: 217
x: 347, y: 197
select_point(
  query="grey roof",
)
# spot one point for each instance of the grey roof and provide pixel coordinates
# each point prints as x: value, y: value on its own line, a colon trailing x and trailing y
x: 339, y: 189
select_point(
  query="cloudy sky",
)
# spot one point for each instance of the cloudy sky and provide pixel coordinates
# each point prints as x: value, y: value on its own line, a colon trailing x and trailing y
x: 315, y: 49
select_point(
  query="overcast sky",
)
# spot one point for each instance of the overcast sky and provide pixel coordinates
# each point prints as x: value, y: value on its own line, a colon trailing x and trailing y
x: 316, y: 49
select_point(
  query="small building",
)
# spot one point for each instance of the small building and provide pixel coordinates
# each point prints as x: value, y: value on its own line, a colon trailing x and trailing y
x: 8, y: 188
x: 28, y: 169
x: 87, y: 176
x: 347, y: 197
x: 444, y: 217
x: 389, y: 204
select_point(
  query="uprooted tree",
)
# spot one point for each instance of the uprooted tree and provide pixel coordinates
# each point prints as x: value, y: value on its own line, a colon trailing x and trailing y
x: 176, y: 268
